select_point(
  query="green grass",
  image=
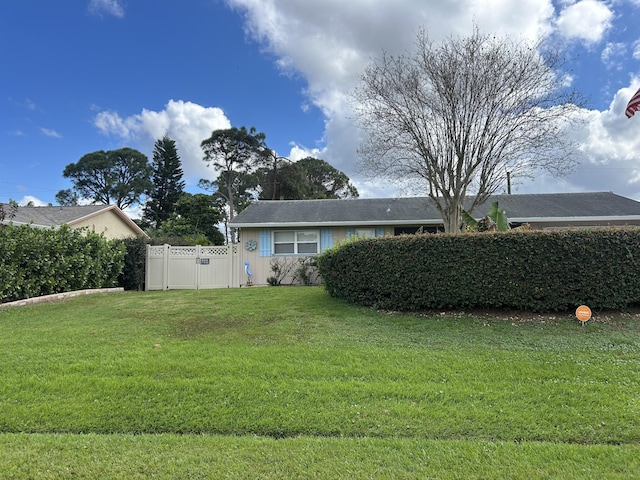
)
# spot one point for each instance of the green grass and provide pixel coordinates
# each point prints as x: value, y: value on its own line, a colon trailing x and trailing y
x: 290, y: 383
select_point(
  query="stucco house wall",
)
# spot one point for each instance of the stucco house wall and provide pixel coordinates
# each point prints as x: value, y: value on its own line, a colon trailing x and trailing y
x: 258, y: 245
x: 107, y: 222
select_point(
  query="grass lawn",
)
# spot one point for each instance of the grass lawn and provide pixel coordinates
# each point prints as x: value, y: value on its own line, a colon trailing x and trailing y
x: 290, y: 383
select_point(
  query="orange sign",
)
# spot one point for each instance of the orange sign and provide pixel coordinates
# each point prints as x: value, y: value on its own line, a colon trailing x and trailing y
x: 583, y: 313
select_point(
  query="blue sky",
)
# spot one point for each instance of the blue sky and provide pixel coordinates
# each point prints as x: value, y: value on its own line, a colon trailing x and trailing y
x: 78, y: 76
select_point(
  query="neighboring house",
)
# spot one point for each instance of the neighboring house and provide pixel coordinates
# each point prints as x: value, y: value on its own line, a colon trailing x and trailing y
x: 106, y: 219
x: 297, y: 228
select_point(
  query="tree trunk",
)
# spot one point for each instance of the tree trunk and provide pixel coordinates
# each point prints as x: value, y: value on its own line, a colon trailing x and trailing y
x: 453, y: 217
x: 232, y: 231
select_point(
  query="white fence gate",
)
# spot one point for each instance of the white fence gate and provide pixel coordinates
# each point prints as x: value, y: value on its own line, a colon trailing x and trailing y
x: 196, y: 267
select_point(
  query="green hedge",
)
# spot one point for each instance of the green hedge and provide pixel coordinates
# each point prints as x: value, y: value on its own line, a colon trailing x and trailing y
x: 35, y: 262
x: 535, y: 270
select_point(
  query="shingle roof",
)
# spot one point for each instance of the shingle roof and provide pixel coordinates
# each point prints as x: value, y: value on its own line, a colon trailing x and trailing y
x: 51, y: 216
x: 422, y: 210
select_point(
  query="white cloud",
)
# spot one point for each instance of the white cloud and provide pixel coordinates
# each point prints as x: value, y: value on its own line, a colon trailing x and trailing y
x: 30, y: 199
x: 613, y: 55
x: 106, y: 7
x: 586, y: 20
x: 50, y: 133
x: 110, y: 123
x: 330, y: 44
x: 636, y: 50
x: 134, y: 211
x: 185, y: 122
x: 299, y: 152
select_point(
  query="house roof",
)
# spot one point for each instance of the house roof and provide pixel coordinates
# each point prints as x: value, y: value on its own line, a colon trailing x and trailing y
x: 554, y: 207
x: 54, y: 216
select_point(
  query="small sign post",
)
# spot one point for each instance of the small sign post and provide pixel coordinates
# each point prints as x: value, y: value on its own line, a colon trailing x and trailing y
x: 583, y: 313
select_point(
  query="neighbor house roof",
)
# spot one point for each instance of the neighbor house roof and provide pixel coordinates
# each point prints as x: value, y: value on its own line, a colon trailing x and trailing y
x: 554, y: 207
x: 47, y: 217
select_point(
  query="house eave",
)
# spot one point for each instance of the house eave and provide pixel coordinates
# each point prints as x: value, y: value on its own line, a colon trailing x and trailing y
x: 335, y: 224
x: 431, y: 221
x: 598, y: 219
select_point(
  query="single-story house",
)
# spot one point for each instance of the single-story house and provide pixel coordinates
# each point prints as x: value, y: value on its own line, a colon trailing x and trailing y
x: 106, y: 219
x: 297, y: 228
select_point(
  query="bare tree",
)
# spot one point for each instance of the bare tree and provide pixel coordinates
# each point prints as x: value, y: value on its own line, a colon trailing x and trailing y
x: 455, y: 118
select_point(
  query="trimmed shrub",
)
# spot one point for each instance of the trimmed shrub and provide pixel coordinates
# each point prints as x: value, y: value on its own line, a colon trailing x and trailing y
x: 35, y: 262
x: 534, y: 270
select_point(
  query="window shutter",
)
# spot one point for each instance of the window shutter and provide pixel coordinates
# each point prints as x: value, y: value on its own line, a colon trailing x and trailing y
x: 350, y: 233
x: 265, y: 243
x: 326, y: 239
x: 379, y: 231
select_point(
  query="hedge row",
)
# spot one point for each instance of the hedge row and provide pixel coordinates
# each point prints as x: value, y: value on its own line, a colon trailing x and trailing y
x: 35, y: 262
x: 535, y: 270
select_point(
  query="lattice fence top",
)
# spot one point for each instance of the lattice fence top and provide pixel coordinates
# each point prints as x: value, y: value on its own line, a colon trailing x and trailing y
x: 183, y: 251
x: 213, y: 251
x: 193, y: 251
x: 156, y: 250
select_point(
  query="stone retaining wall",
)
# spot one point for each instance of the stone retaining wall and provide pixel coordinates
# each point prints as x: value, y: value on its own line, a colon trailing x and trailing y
x: 59, y: 296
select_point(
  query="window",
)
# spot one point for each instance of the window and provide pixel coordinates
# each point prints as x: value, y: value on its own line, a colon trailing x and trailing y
x: 304, y: 242
x: 365, y: 232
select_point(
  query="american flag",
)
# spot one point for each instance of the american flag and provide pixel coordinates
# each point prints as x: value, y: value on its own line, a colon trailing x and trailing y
x: 633, y: 105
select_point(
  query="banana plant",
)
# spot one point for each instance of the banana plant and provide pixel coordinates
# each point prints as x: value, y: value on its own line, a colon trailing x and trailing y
x: 496, y: 215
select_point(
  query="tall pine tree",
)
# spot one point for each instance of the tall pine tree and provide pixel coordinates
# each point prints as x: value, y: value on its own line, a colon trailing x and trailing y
x: 168, y: 185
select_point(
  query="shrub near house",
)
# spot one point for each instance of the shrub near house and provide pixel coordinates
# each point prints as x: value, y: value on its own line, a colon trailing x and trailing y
x: 537, y: 270
x: 36, y: 261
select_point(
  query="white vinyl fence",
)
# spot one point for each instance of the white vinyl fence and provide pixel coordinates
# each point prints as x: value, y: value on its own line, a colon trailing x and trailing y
x: 196, y: 267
